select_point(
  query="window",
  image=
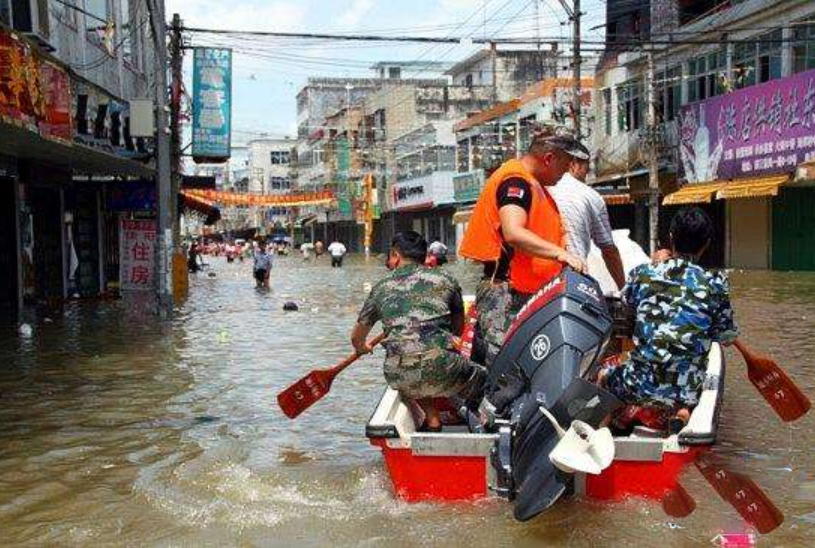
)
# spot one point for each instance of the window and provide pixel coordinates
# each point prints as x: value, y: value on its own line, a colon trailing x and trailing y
x: 394, y: 72
x: 99, y: 9
x: 803, y: 48
x: 706, y: 76
x: 5, y: 11
x: 279, y: 183
x: 758, y: 61
x: 280, y: 157
x: 607, y: 110
x: 463, y: 155
x: 128, y: 35
x: 447, y: 159
x: 669, y: 93
x: 629, y: 106
x: 468, y: 80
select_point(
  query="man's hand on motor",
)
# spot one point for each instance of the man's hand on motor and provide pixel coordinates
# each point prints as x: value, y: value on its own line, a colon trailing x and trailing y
x: 573, y: 261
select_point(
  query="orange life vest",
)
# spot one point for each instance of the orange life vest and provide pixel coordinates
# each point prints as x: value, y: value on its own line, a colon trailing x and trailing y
x: 483, y: 241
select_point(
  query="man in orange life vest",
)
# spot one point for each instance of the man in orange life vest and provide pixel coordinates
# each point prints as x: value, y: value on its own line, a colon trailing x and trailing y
x: 516, y: 232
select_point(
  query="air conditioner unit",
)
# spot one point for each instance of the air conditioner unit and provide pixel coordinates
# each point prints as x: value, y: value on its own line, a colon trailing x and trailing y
x: 30, y: 18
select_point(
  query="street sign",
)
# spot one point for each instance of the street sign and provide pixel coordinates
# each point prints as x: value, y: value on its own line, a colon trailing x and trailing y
x: 211, y: 104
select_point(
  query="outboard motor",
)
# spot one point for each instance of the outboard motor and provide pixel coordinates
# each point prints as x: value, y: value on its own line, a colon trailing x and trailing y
x: 554, y: 341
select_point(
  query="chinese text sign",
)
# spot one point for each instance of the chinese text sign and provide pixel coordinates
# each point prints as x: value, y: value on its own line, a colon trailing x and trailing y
x: 137, y: 240
x: 764, y: 129
x: 211, y: 103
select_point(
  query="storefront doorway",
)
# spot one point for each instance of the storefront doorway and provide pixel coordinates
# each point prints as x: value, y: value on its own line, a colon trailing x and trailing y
x: 8, y: 248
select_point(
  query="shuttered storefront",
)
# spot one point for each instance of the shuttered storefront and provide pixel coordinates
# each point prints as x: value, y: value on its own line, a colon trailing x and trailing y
x: 793, y: 229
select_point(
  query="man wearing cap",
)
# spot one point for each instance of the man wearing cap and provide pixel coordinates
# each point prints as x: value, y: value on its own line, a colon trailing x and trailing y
x: 585, y: 215
x: 515, y: 231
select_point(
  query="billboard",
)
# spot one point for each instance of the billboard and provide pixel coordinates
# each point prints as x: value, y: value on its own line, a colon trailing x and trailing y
x: 761, y: 130
x: 211, y: 104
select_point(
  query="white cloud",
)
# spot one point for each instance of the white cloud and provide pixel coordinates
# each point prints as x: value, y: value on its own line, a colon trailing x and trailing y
x: 352, y: 16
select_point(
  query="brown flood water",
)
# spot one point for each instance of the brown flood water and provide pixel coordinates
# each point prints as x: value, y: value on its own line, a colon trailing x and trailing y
x: 116, y: 429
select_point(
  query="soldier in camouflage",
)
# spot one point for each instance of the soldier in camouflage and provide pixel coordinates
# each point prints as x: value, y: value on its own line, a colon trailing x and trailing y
x: 422, y: 312
x: 681, y: 308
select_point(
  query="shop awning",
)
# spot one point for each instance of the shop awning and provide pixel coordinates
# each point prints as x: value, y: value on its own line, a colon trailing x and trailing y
x: 462, y: 216
x: 695, y: 193
x: 306, y: 220
x: 752, y: 188
x: 616, y: 199
x: 205, y: 208
x: 21, y: 143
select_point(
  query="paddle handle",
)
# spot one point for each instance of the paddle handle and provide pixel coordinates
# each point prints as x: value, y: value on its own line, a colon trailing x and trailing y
x: 337, y: 369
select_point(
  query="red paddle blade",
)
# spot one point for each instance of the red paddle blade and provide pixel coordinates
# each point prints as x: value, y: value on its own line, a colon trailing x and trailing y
x: 305, y: 392
x: 678, y: 503
x: 777, y: 388
x: 743, y: 494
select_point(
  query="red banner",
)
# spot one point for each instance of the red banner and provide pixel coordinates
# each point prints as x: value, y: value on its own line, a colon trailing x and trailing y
x: 295, y: 199
x: 34, y: 93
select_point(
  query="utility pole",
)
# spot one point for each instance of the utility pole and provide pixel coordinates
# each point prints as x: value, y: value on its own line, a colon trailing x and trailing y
x: 576, y: 90
x: 574, y: 14
x: 176, y: 85
x: 652, y: 147
x: 494, y: 70
x: 165, y: 214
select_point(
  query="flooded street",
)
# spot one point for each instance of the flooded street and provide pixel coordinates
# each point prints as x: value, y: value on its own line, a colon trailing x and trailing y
x: 116, y: 429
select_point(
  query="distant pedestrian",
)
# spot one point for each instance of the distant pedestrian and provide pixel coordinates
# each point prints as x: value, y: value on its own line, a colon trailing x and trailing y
x: 193, y: 258
x: 436, y: 253
x: 337, y: 251
x: 262, y: 267
x: 319, y: 248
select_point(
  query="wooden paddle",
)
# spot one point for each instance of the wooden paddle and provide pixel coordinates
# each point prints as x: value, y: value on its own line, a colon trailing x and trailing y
x: 307, y: 391
x: 743, y: 494
x: 777, y: 388
x: 678, y: 503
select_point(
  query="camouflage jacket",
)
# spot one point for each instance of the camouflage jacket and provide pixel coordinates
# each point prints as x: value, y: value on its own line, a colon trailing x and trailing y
x: 680, y: 309
x: 415, y: 305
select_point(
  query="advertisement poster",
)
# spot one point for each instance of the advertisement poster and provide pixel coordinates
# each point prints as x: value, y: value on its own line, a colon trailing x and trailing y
x: 761, y: 130
x: 137, y: 240
x: 211, y: 104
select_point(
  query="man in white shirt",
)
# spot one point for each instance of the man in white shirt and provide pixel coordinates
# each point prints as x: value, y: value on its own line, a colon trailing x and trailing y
x: 585, y: 216
x: 337, y: 251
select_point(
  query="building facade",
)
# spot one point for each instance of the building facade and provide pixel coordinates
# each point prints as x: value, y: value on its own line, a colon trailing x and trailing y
x: 70, y: 170
x: 737, y: 62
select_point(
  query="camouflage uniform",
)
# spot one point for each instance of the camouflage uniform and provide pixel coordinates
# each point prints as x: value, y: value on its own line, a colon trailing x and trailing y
x: 415, y: 305
x: 680, y: 309
x: 493, y: 301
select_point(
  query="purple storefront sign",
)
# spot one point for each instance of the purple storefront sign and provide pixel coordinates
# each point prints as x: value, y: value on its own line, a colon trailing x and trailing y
x: 760, y: 130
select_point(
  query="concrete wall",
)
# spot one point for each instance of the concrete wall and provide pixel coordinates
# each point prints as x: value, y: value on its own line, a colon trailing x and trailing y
x: 123, y: 71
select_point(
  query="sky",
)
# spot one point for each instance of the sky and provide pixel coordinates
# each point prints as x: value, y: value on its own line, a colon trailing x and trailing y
x: 267, y: 74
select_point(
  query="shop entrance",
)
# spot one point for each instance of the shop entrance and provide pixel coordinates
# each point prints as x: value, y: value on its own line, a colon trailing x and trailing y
x: 8, y: 248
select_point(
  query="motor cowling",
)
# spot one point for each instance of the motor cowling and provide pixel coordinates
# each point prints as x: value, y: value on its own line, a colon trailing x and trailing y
x: 554, y: 341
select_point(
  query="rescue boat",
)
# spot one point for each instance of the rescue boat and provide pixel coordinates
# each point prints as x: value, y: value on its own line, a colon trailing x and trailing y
x: 541, y: 377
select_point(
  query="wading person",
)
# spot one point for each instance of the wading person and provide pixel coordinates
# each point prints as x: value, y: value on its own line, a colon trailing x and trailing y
x: 516, y: 232
x: 436, y: 253
x: 681, y: 308
x: 262, y: 267
x: 585, y: 215
x: 422, y: 313
x: 337, y: 251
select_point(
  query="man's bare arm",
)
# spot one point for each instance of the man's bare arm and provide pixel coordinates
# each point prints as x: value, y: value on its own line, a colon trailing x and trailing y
x: 614, y: 263
x: 359, y: 337
x: 513, y: 227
